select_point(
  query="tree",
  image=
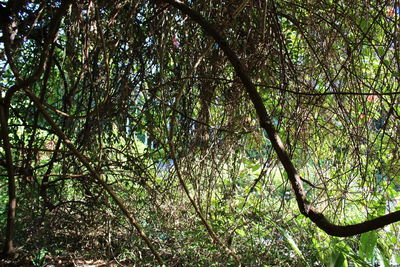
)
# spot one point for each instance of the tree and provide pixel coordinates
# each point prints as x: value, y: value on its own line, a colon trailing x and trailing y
x: 266, y: 123
x: 134, y: 98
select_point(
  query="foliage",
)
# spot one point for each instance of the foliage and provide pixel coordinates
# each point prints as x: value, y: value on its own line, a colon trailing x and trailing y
x: 152, y: 103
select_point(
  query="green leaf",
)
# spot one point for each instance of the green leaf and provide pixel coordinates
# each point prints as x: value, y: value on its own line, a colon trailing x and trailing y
x: 381, y: 51
x: 364, y: 25
x: 292, y: 243
x: 395, y: 74
x: 397, y: 258
x: 337, y: 259
x: 240, y: 232
x: 367, y: 244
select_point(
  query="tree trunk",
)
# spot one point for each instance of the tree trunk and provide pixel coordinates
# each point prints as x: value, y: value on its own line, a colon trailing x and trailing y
x: 8, y: 248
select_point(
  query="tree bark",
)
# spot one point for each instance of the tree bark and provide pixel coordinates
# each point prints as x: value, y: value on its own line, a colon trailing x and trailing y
x: 265, y: 122
x: 8, y: 248
x: 129, y: 215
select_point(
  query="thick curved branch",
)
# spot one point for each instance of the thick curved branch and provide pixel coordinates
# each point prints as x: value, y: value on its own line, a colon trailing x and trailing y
x: 265, y: 122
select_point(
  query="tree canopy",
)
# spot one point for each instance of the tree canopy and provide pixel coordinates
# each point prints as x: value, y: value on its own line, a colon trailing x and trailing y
x: 225, y: 132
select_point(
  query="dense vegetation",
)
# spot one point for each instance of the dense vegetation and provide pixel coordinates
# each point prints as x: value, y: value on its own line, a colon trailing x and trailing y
x: 211, y: 133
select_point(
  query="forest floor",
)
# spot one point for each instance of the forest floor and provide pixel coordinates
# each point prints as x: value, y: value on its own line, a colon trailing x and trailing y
x: 60, y: 262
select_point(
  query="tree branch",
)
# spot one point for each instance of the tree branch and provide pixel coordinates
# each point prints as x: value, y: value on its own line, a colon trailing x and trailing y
x: 131, y: 217
x: 265, y: 122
